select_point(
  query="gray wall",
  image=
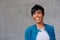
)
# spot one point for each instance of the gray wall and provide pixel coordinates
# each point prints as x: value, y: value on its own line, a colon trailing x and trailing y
x: 15, y: 17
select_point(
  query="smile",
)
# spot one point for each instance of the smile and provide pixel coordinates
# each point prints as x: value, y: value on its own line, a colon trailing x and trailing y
x: 37, y: 18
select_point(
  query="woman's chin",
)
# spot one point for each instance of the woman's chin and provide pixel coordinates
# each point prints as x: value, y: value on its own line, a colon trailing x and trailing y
x: 37, y: 21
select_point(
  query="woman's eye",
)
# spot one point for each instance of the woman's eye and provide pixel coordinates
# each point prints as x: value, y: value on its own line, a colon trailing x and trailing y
x: 33, y: 13
x: 39, y: 12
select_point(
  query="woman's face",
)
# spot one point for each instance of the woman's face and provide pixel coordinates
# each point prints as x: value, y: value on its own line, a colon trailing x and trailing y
x: 38, y: 16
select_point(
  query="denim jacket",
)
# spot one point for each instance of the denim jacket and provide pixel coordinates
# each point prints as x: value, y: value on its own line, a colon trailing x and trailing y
x: 32, y: 31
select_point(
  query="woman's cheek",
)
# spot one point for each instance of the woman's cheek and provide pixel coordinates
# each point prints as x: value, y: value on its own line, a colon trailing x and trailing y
x: 33, y: 16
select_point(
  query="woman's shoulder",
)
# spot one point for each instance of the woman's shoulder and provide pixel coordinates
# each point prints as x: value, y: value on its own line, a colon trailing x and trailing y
x: 29, y: 28
x: 49, y: 26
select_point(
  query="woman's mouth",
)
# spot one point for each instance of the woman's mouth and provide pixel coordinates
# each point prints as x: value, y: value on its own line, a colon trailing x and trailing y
x: 37, y: 18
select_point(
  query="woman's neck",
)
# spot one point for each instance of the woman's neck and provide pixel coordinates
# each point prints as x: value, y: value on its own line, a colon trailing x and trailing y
x: 40, y: 25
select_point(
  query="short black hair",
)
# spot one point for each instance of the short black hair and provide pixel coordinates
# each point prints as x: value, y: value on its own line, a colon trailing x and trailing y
x: 37, y: 7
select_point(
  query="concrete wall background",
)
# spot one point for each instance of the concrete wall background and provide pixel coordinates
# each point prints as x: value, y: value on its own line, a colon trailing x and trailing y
x: 15, y: 17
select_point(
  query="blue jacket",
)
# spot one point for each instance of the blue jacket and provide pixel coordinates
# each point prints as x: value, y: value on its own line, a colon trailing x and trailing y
x: 31, y: 32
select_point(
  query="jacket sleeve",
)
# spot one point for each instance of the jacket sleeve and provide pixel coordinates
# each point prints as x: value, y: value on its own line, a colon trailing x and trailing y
x: 53, y: 36
x: 26, y: 34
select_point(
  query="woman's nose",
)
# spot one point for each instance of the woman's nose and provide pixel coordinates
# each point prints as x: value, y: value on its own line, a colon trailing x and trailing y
x: 36, y: 14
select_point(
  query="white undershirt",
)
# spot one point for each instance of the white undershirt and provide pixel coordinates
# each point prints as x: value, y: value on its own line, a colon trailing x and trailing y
x: 42, y: 35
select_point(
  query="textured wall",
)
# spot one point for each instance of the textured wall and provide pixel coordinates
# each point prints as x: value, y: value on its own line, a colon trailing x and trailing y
x: 15, y: 17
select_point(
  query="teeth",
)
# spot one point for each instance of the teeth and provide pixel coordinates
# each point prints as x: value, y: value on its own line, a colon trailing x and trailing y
x: 37, y: 18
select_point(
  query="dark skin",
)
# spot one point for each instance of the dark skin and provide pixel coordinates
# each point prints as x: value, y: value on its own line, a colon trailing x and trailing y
x: 38, y: 18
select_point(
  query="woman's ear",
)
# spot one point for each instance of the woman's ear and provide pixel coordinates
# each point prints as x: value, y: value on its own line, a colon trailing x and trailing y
x: 43, y: 14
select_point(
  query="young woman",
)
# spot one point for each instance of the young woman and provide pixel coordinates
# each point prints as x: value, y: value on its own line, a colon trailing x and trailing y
x: 39, y: 30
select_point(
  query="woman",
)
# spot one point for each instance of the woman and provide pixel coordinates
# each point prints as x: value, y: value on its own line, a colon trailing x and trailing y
x: 39, y: 30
